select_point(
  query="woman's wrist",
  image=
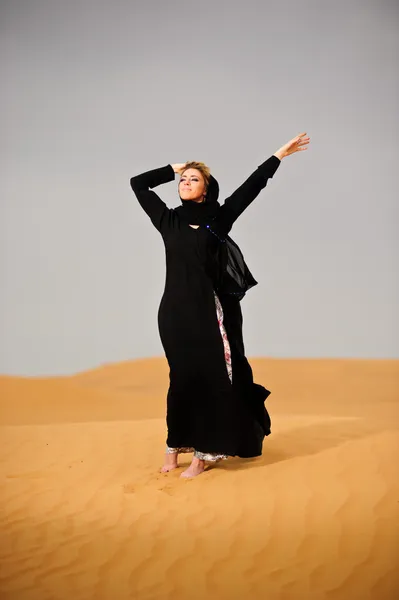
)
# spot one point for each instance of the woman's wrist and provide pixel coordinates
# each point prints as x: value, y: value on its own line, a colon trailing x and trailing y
x: 280, y: 154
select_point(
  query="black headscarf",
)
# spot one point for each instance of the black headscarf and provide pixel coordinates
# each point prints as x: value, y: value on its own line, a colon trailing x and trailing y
x: 231, y: 274
x: 201, y: 213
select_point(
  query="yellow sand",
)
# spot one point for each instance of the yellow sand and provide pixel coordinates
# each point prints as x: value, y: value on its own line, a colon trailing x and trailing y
x: 86, y: 515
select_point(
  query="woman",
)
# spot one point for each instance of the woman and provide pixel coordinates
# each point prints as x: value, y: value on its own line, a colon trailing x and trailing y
x: 214, y: 408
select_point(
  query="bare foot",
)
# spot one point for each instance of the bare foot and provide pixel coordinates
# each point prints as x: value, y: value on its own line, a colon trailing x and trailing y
x: 196, y: 468
x: 170, y: 462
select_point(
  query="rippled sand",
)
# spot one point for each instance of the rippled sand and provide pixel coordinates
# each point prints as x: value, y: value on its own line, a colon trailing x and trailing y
x: 85, y: 514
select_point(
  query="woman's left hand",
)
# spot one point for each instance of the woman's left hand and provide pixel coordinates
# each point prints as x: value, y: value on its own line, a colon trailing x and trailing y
x: 295, y: 145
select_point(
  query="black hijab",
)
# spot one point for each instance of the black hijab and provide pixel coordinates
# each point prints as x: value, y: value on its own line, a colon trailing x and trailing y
x: 201, y: 213
x: 231, y: 275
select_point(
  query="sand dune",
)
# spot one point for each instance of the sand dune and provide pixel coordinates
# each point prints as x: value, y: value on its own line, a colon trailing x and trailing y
x: 86, y: 515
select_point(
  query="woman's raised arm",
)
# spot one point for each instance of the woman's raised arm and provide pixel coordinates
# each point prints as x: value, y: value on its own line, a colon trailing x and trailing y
x: 155, y: 208
x: 235, y: 204
x: 239, y: 200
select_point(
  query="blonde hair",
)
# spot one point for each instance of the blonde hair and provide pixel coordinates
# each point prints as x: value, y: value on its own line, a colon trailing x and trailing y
x: 201, y: 167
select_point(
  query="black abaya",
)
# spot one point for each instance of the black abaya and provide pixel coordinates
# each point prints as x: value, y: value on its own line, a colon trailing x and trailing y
x: 205, y: 410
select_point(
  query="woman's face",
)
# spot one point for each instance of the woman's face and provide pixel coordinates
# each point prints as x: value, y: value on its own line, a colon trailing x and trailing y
x: 192, y: 185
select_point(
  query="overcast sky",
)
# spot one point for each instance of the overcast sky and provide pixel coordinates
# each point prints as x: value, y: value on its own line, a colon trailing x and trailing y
x: 94, y: 92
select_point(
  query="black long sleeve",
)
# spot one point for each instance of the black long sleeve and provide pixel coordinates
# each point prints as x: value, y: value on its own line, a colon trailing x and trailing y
x: 242, y: 197
x: 155, y: 208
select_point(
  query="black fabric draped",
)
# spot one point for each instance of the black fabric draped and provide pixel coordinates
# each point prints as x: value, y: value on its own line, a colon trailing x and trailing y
x: 205, y: 410
x: 231, y: 273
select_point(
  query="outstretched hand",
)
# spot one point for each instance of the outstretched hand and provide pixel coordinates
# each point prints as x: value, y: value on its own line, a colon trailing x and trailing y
x: 295, y: 145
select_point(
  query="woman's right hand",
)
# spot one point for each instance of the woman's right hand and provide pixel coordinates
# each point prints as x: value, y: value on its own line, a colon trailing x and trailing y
x: 178, y: 167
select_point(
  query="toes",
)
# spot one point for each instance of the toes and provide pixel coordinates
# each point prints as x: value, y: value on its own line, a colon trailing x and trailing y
x: 167, y: 468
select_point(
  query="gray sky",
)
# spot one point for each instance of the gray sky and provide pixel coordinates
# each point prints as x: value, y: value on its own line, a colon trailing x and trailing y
x: 95, y: 92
